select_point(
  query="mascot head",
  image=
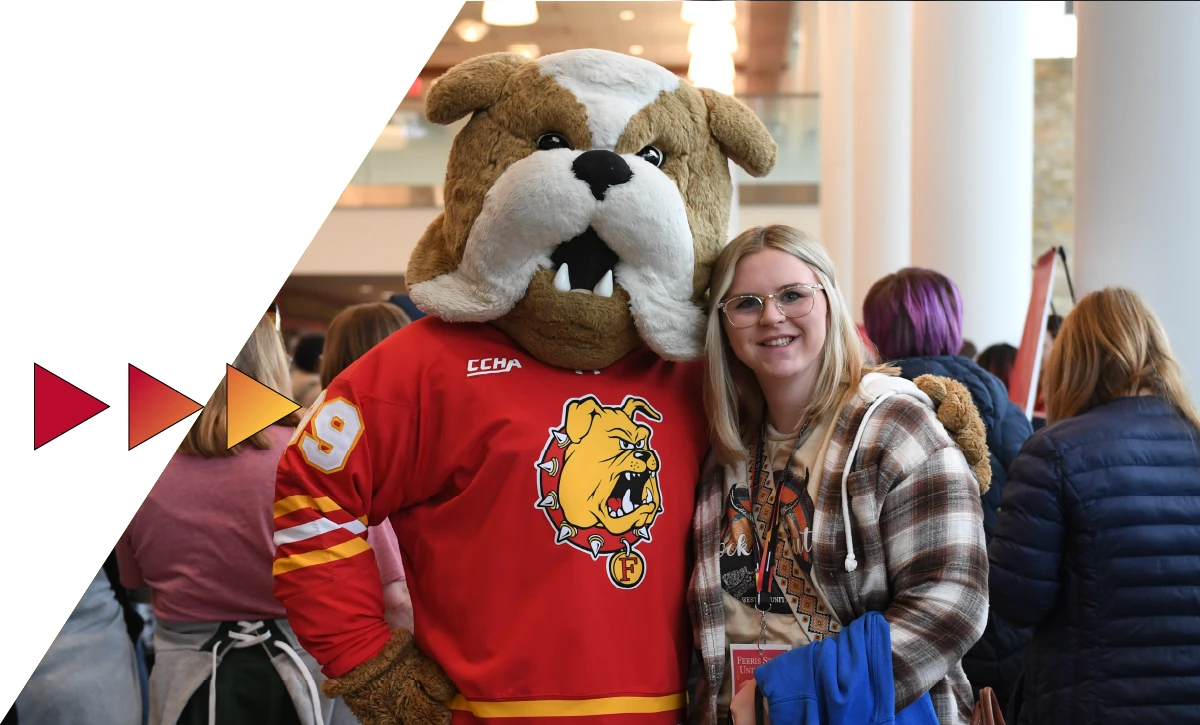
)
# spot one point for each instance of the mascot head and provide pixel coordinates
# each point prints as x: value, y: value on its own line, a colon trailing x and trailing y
x: 585, y: 202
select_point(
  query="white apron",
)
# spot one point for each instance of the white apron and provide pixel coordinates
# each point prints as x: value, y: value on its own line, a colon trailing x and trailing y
x: 182, y: 664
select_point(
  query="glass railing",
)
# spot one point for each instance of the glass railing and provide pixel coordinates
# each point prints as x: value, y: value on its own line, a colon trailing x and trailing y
x: 413, y: 152
x: 793, y: 121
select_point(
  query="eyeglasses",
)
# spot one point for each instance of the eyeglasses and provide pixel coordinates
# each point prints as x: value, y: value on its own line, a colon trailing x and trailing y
x: 793, y: 301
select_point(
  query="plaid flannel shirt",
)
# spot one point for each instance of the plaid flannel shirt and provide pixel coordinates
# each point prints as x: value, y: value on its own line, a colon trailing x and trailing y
x: 917, y: 528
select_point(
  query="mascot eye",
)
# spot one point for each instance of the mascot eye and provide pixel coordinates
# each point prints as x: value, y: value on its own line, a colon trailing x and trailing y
x: 653, y: 155
x: 625, y: 445
x: 548, y: 141
x: 641, y: 444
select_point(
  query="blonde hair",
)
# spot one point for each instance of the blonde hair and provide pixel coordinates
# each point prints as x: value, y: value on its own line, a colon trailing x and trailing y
x: 354, y: 331
x: 1112, y: 346
x: 732, y: 397
x: 263, y: 358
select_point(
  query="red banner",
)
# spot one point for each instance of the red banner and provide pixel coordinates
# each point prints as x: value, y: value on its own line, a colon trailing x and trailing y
x: 1023, y: 384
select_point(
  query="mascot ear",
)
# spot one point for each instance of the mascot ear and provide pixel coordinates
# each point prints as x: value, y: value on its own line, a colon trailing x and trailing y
x: 743, y: 137
x: 470, y: 86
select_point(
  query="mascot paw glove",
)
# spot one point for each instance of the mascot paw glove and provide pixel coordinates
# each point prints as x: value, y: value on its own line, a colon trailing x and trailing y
x: 398, y: 686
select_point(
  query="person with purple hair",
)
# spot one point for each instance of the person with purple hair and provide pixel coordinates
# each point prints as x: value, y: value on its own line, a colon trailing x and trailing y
x: 914, y: 318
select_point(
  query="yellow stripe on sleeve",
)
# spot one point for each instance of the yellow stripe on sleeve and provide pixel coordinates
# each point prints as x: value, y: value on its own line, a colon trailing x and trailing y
x: 285, y: 506
x: 344, y: 550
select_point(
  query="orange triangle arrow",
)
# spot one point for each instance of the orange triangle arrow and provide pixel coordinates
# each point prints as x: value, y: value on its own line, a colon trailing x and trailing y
x: 251, y: 406
x: 154, y: 406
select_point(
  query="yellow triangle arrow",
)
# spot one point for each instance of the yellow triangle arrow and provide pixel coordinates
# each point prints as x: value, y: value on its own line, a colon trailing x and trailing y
x: 251, y: 406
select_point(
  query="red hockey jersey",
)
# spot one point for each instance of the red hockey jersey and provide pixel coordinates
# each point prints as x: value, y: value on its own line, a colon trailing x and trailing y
x: 543, y: 515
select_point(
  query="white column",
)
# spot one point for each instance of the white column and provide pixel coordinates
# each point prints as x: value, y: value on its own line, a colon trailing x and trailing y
x: 835, y: 48
x: 1137, y: 161
x: 809, y: 62
x: 882, y: 139
x: 735, y: 206
x: 972, y: 157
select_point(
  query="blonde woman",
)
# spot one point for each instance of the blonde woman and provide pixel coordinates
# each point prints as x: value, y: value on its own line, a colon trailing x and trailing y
x: 202, y: 542
x: 837, y: 479
x: 1097, y: 543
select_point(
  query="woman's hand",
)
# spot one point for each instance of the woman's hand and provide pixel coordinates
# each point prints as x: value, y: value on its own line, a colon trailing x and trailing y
x: 741, y: 708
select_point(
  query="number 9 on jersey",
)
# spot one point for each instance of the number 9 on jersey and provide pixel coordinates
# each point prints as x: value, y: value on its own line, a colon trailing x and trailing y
x: 328, y: 433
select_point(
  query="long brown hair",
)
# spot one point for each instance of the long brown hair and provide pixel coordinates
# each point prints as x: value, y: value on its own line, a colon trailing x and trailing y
x: 263, y: 358
x: 1112, y: 346
x: 733, y: 399
x: 354, y: 331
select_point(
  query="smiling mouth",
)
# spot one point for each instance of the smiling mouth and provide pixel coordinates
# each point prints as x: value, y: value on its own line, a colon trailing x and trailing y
x: 584, y: 264
x: 777, y: 342
x: 630, y: 492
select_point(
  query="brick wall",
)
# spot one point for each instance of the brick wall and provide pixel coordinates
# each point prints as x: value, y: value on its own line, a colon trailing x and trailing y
x: 1054, y: 166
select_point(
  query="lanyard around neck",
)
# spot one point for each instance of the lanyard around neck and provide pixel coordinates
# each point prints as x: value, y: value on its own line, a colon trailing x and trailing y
x: 764, y: 571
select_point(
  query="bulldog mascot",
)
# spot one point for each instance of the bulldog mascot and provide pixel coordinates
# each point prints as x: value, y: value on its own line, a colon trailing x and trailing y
x: 537, y: 440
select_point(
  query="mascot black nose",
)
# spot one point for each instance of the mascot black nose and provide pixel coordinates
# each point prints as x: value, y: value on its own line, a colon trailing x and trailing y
x: 600, y: 170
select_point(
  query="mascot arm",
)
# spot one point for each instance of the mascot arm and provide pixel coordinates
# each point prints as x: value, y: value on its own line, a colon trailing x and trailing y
x: 328, y: 490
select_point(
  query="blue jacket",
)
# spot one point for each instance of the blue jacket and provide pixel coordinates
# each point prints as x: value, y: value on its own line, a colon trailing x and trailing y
x: 996, y: 660
x: 410, y: 308
x: 1098, y: 545
x: 843, y: 680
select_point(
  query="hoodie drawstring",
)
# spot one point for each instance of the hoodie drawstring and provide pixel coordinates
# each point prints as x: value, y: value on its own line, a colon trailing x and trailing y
x: 851, y: 562
x: 248, y: 637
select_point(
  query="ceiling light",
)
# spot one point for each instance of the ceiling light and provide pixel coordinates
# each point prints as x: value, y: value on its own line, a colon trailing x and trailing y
x: 712, y: 38
x: 627, y: 15
x: 510, y: 12
x: 529, y: 50
x: 636, y: 50
x: 712, y: 70
x: 708, y: 11
x: 711, y: 67
x: 470, y: 30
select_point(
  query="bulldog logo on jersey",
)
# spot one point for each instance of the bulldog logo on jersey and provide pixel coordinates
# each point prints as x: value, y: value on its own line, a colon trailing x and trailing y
x: 598, y: 483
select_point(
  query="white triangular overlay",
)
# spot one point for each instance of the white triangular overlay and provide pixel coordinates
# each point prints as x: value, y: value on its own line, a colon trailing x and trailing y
x: 164, y: 167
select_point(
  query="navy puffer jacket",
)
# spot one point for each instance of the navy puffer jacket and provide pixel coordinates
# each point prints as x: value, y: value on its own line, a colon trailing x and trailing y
x: 997, y: 658
x: 1098, y: 545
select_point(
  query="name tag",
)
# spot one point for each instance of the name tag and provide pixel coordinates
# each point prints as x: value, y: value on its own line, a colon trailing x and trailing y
x: 745, y: 658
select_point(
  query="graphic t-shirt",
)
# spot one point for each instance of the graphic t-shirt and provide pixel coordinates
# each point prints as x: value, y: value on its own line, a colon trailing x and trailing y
x: 798, y: 613
x: 544, y: 516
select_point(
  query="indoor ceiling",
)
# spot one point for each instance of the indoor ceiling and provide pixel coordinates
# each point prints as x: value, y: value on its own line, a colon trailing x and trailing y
x: 656, y: 26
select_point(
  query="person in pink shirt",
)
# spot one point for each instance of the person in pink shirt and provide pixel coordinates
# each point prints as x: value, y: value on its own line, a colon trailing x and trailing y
x: 202, y: 541
x: 351, y: 334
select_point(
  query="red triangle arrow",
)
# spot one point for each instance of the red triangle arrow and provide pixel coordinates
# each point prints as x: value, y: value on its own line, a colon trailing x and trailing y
x: 154, y: 406
x: 58, y: 406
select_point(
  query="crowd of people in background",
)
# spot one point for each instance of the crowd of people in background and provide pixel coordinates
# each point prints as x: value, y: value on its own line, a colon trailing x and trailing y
x: 914, y: 317
x: 1091, y: 524
x: 199, y: 553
